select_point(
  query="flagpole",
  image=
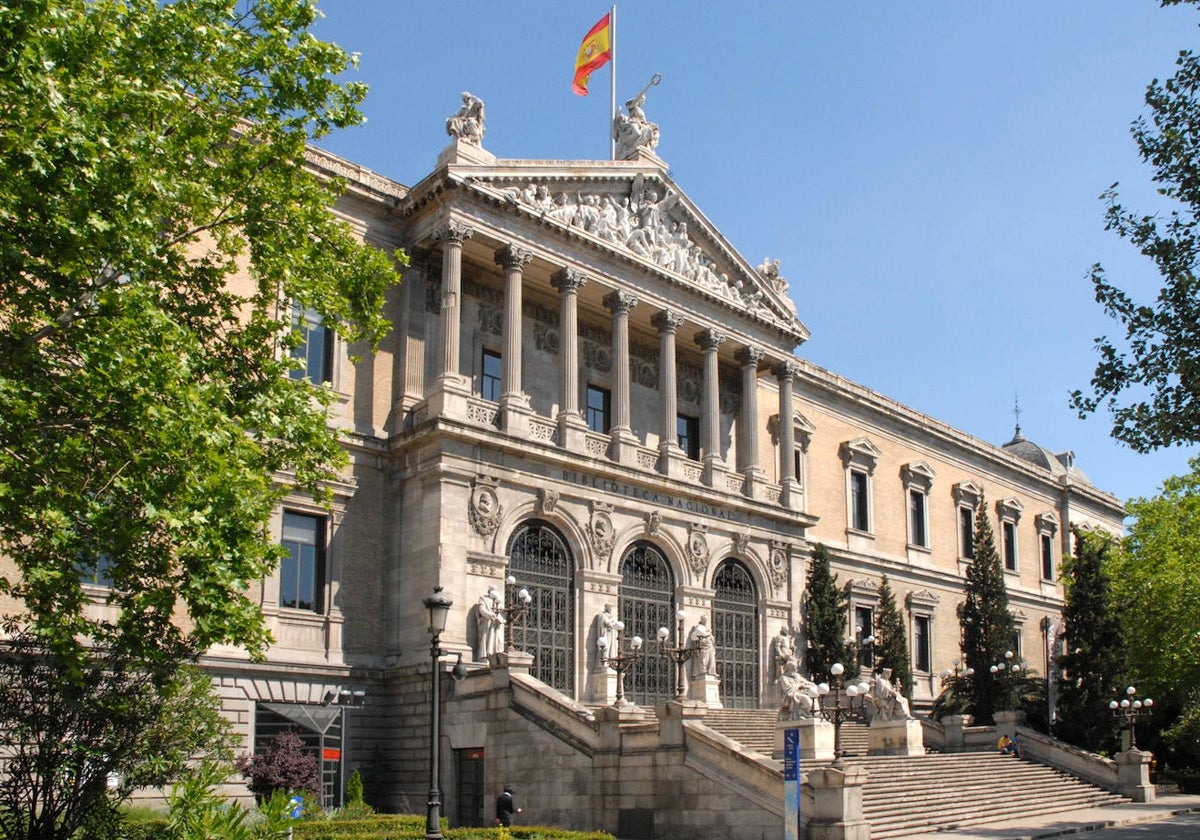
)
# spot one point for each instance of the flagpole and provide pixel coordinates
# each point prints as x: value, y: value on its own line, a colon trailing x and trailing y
x: 612, y: 86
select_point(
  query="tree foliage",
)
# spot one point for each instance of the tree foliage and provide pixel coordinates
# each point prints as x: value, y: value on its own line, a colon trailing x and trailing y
x: 891, y: 640
x: 1150, y: 378
x: 826, y: 610
x: 1155, y: 586
x: 1093, y: 666
x: 285, y: 765
x: 64, y: 738
x: 157, y: 225
x: 986, y: 624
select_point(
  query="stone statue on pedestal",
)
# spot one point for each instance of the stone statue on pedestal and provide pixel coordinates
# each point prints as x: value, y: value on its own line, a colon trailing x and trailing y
x: 798, y: 697
x: 704, y: 649
x: 632, y: 131
x: 889, y: 703
x: 490, y: 624
x: 782, y: 650
x: 606, y: 630
x: 467, y: 124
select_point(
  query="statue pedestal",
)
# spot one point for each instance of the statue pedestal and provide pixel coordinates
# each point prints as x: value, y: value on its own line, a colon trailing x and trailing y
x: 602, y: 686
x: 896, y: 737
x: 706, y: 689
x: 816, y: 738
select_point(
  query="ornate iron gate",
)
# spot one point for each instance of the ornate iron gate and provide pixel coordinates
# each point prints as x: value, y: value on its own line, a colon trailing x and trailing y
x: 647, y: 602
x: 539, y: 559
x: 736, y: 632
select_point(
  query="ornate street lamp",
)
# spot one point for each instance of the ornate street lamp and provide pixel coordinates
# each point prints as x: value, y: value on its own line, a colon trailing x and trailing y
x: 844, y: 701
x: 1129, y: 709
x: 619, y: 660
x: 517, y: 603
x: 679, y: 654
x: 437, y: 606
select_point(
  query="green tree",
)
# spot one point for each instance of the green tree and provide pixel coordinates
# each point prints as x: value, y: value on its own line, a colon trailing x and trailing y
x: 826, y: 609
x: 158, y: 228
x: 64, y: 739
x: 1094, y: 663
x: 1154, y: 583
x: 1150, y: 379
x: 891, y: 641
x: 986, y: 624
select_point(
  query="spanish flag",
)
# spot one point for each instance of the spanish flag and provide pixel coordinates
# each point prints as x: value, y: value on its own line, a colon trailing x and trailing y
x: 594, y: 53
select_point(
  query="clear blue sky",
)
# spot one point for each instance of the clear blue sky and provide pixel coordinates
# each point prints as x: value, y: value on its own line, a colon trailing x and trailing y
x: 927, y: 173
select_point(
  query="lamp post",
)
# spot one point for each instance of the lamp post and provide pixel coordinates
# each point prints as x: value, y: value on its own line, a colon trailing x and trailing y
x: 1129, y: 709
x: 679, y: 654
x: 844, y: 702
x: 516, y: 606
x: 621, y: 661
x: 438, y: 607
x: 1005, y: 671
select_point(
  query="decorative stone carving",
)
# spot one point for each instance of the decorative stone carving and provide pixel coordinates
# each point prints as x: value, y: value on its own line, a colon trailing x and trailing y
x: 484, y: 510
x: 741, y: 542
x: 653, y: 523
x: 600, y: 531
x: 698, y: 549
x: 491, y: 320
x: 467, y: 124
x: 546, y: 339
x: 632, y: 131
x: 547, y: 500
x: 778, y: 567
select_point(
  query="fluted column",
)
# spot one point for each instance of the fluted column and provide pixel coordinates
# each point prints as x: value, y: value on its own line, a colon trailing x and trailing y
x: 571, y: 425
x: 514, y: 404
x: 790, y: 488
x: 671, y: 456
x: 710, y: 414
x: 452, y: 237
x: 749, y: 357
x: 620, y: 304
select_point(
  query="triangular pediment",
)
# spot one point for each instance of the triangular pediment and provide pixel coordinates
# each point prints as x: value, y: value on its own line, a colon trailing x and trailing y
x: 641, y: 215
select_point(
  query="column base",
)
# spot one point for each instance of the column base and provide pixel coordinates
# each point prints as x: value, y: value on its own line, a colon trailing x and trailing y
x: 448, y: 398
x: 816, y: 739
x: 714, y: 471
x: 602, y: 686
x: 896, y: 737
x: 514, y: 414
x: 572, y: 431
x: 706, y: 689
x: 791, y: 496
x: 755, y: 483
x: 671, y: 460
x: 625, y: 446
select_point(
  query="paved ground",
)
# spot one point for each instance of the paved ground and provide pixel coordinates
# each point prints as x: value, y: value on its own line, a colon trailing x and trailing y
x: 1167, y: 818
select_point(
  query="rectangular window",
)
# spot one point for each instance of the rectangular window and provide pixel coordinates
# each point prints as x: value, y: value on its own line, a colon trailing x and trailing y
x: 864, y: 620
x: 916, y: 518
x: 966, y: 532
x: 1047, y: 557
x: 860, y: 519
x: 302, y: 572
x: 599, y: 409
x: 489, y: 384
x: 96, y: 571
x: 922, y: 653
x: 315, y: 350
x: 798, y: 465
x: 1010, y: 545
x: 687, y: 430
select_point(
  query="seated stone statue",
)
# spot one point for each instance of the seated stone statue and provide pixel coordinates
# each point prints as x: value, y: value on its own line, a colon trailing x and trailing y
x: 467, y: 124
x: 798, y: 698
x: 889, y: 703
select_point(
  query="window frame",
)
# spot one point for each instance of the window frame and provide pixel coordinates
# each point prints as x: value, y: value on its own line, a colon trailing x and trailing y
x: 308, y: 322
x: 966, y: 497
x: 320, y: 563
x: 917, y: 479
x: 859, y: 457
x: 1047, y: 529
x: 491, y: 384
x: 687, y: 435
x: 1008, y: 513
x: 603, y: 412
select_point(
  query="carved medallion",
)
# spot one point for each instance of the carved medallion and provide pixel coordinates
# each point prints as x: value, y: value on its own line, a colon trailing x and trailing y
x: 601, y: 533
x: 698, y: 549
x: 778, y: 569
x: 484, y: 510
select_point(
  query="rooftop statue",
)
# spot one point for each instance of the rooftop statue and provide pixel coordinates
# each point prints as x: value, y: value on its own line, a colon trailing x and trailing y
x: 467, y: 124
x: 632, y: 131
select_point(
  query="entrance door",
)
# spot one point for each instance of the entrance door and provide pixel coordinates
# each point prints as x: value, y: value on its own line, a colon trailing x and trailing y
x: 648, y: 602
x: 735, y: 631
x: 469, y: 772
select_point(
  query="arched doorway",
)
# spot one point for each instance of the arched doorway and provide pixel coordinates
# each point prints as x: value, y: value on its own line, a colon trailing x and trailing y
x: 539, y: 559
x: 647, y: 602
x: 736, y: 632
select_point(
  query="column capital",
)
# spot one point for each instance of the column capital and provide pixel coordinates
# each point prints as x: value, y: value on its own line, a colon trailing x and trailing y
x: 710, y: 339
x: 620, y: 302
x: 667, y: 321
x: 749, y: 356
x: 568, y: 280
x: 513, y: 257
x: 454, y: 232
x: 786, y: 370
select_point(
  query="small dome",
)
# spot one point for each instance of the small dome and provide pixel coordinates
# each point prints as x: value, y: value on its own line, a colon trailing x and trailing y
x: 1059, y: 465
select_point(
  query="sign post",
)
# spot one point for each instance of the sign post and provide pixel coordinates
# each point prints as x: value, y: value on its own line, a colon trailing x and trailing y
x: 295, y: 812
x: 792, y: 829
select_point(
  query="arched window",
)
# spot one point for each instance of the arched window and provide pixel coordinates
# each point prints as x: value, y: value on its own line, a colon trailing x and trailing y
x: 647, y: 602
x: 539, y: 559
x: 736, y: 633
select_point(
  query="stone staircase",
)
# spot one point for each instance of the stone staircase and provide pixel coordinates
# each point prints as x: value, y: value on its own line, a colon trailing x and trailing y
x: 919, y: 796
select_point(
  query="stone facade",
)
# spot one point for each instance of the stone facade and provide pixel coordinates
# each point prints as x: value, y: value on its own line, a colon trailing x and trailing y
x: 588, y: 389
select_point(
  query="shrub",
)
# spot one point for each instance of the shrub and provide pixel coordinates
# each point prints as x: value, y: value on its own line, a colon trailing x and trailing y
x: 284, y: 765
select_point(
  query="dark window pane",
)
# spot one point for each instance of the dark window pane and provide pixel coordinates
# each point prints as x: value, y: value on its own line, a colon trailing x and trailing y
x: 315, y: 347
x: 916, y: 506
x: 966, y: 520
x: 1047, y: 557
x: 858, y: 499
x: 302, y: 572
x: 1010, y: 546
x: 490, y: 383
x: 598, y: 408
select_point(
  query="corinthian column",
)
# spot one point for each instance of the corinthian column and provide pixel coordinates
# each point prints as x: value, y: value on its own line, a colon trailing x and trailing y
x: 452, y: 237
x: 749, y: 357
x: 671, y: 457
x: 710, y: 415
x: 623, y: 440
x: 789, y: 488
x: 571, y: 425
x: 514, y: 404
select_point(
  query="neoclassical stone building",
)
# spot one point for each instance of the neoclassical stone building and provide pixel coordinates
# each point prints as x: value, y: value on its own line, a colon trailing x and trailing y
x: 589, y: 391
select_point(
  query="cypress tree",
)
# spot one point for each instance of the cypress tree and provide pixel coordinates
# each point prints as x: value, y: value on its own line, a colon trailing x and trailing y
x: 987, y: 626
x: 826, y: 608
x: 1094, y: 664
x: 891, y: 641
